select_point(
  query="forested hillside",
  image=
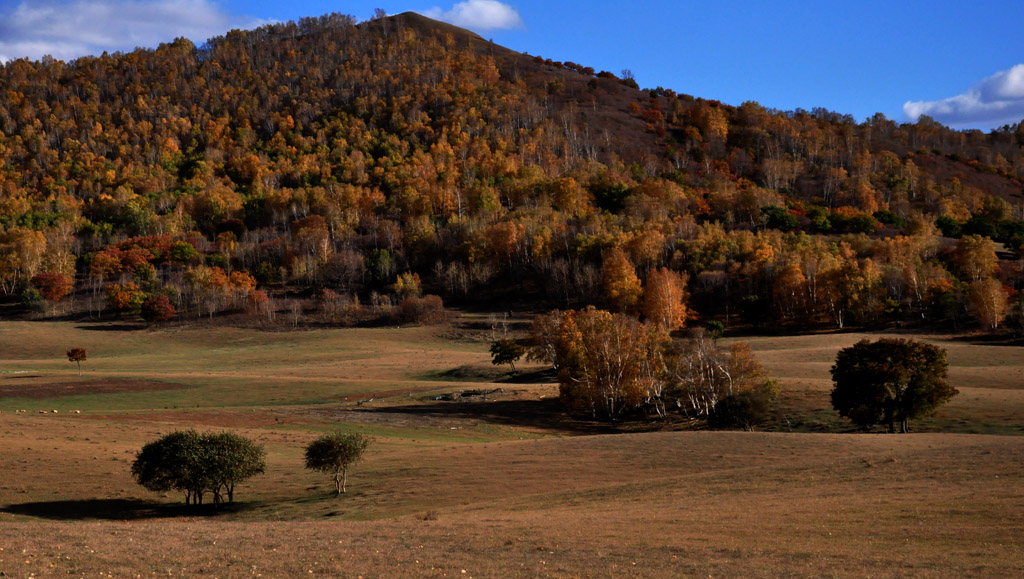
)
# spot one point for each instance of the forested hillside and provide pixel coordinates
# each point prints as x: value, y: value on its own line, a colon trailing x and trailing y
x: 342, y: 164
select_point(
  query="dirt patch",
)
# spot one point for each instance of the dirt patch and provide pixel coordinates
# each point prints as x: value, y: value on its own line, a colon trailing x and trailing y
x: 39, y: 391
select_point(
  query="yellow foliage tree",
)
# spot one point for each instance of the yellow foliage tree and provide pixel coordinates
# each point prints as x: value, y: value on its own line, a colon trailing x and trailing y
x: 989, y: 302
x: 608, y: 363
x: 975, y: 257
x: 622, y: 287
x: 665, y: 299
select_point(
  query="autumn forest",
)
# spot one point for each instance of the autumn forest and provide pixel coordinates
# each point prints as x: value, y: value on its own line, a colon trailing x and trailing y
x: 348, y: 173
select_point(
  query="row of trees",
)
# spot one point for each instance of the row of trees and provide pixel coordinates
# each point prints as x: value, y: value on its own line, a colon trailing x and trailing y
x: 764, y: 277
x: 197, y: 464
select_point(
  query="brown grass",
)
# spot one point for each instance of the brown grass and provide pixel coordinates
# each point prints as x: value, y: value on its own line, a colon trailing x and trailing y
x: 38, y: 388
x: 512, y: 487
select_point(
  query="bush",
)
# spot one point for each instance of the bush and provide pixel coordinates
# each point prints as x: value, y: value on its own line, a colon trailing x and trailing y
x: 425, y: 310
x: 853, y: 222
x: 889, y: 218
x: 742, y: 410
x: 157, y: 309
x: 32, y: 300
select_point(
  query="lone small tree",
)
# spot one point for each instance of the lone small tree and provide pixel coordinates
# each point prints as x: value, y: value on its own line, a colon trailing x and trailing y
x: 506, y: 351
x: 334, y: 453
x: 77, y: 355
x: 890, y: 381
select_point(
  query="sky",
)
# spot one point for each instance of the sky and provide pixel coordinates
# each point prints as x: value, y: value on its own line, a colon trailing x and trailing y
x: 962, y: 63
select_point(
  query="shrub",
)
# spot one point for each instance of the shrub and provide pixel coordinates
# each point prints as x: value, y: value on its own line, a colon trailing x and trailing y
x: 745, y: 410
x: 425, y: 310
x: 53, y: 286
x: 158, y: 308
x: 32, y: 299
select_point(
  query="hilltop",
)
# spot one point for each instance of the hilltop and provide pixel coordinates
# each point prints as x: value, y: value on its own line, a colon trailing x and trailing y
x: 346, y: 165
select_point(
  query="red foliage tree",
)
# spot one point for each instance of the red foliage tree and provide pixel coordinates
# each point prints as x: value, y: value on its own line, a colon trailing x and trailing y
x: 158, y: 309
x: 52, y: 285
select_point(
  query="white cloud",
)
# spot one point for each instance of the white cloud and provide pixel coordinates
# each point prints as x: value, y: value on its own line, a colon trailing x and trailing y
x: 998, y: 100
x: 479, y: 15
x: 67, y: 29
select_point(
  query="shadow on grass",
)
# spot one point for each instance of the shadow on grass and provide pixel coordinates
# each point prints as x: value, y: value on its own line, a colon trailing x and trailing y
x: 116, y: 510
x: 546, y: 414
x: 493, y: 375
x: 112, y: 327
x: 546, y: 376
x: 990, y: 340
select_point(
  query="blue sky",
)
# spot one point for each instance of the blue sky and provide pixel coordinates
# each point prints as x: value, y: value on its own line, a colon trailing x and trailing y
x: 962, y: 63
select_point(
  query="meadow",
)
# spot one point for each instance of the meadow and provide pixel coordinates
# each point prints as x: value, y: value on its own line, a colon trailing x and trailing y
x: 498, y: 484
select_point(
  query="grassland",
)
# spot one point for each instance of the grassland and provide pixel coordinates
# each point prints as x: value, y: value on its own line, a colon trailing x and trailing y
x: 503, y: 487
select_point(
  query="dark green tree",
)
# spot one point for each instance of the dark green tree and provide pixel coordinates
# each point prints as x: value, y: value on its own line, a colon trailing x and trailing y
x: 775, y: 217
x: 194, y: 464
x: 889, y: 381
x: 334, y: 453
x: 380, y: 266
x: 506, y: 351
x: 172, y: 462
x: 231, y: 459
x: 715, y: 329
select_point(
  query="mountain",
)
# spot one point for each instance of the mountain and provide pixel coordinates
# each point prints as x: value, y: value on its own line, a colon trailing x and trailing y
x: 329, y: 155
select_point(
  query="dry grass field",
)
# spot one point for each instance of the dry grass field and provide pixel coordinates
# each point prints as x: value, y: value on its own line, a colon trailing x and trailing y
x: 506, y: 486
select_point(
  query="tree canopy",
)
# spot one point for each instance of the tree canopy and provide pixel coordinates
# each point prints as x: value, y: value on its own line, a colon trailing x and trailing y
x: 77, y: 355
x: 890, y: 381
x: 197, y: 463
x: 334, y: 453
x: 506, y: 351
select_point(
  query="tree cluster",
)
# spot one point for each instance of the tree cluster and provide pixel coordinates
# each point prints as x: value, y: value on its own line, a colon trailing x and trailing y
x: 196, y: 463
x: 610, y: 364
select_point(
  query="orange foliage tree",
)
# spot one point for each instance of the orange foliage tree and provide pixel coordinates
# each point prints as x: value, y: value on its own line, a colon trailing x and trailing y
x: 608, y: 363
x: 665, y: 299
x: 622, y: 287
